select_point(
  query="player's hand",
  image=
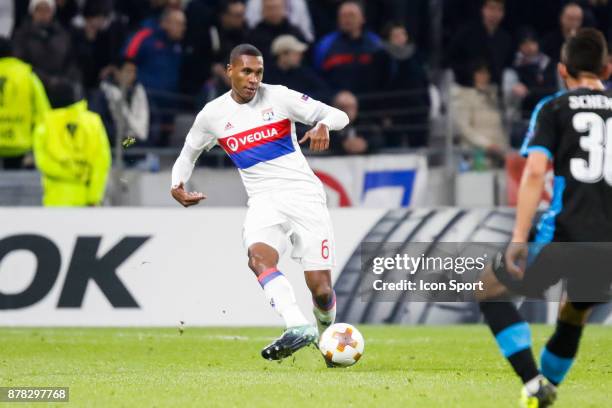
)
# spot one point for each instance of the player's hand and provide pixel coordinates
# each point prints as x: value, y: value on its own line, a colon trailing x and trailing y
x: 186, y: 198
x: 319, y: 138
x: 516, y: 259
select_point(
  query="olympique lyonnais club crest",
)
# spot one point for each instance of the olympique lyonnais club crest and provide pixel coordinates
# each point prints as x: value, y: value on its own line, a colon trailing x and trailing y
x: 267, y: 114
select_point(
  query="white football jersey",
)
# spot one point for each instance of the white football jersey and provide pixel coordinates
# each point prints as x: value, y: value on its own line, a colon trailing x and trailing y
x: 259, y: 137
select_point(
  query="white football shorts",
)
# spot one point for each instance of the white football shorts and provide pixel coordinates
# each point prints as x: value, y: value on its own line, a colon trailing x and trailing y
x: 277, y: 217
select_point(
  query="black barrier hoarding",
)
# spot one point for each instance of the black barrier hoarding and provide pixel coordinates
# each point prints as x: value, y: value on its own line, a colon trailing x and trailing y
x: 453, y: 271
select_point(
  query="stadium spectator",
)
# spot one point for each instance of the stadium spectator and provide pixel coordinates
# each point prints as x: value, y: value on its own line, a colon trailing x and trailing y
x: 43, y: 43
x: 158, y: 55
x: 532, y: 77
x: 122, y: 103
x: 156, y: 10
x: 599, y: 11
x: 230, y: 30
x: 297, y: 13
x: 344, y: 57
x: 398, y: 67
x: 274, y: 22
x: 73, y: 155
x: 288, y: 69
x: 98, y: 41
x: 23, y: 102
x: 483, y: 39
x: 570, y: 20
x: 20, y: 9
x: 455, y: 15
x: 414, y: 14
x: 207, y: 47
x: 477, y: 116
x: 358, y: 137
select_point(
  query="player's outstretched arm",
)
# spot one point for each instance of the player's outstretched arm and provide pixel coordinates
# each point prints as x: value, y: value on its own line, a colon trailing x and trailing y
x: 184, y: 197
x: 529, y: 195
x: 181, y: 172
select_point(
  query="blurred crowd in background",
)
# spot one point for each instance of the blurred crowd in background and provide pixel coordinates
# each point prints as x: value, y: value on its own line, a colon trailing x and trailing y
x: 147, y: 66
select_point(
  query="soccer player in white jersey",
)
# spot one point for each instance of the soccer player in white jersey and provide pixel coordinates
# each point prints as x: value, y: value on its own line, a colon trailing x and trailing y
x: 254, y: 124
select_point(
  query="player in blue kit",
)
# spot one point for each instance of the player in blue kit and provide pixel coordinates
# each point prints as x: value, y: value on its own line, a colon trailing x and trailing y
x: 572, y: 129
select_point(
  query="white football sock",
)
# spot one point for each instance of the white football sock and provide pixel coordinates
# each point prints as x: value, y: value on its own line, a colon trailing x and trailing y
x: 279, y: 293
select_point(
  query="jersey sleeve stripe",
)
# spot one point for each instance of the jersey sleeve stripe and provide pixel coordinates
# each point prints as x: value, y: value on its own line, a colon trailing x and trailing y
x: 533, y: 121
x: 541, y: 149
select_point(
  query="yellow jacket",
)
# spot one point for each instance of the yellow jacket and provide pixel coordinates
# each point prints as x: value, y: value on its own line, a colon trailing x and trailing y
x: 72, y: 152
x: 23, y: 102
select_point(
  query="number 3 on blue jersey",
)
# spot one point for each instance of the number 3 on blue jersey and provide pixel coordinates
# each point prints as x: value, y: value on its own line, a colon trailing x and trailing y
x: 598, y: 143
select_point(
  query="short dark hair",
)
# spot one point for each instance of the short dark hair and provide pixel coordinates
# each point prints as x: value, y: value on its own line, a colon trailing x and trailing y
x: 95, y: 8
x: 390, y: 26
x: 525, y: 34
x: 568, y: 5
x: 6, y: 48
x: 479, y: 64
x: 244, y: 49
x: 225, y: 5
x: 500, y: 2
x: 587, y: 51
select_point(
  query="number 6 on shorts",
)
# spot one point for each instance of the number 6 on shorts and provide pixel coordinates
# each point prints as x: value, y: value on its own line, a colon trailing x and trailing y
x: 325, y: 249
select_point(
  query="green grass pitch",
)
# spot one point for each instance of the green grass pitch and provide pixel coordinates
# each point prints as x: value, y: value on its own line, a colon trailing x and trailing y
x: 448, y: 366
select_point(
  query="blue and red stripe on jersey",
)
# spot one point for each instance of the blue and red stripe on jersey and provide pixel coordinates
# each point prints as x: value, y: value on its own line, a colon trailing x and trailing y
x: 267, y: 275
x: 259, y: 144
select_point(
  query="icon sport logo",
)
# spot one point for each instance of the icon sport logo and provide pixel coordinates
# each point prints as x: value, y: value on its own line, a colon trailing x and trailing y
x: 259, y: 144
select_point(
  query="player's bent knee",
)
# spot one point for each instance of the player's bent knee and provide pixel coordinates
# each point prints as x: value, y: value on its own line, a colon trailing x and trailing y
x: 492, y: 287
x: 260, y: 265
x: 319, y: 282
x: 262, y: 257
x: 323, y: 293
x: 575, y: 313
